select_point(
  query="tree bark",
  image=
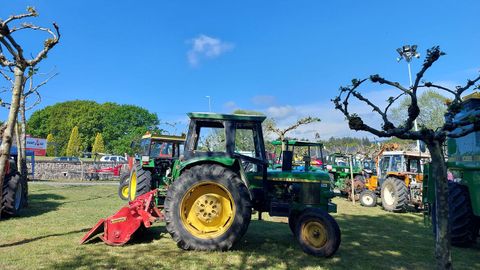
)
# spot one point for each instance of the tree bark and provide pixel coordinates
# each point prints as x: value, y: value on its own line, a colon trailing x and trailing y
x: 11, y: 122
x: 442, y: 236
x: 22, y: 160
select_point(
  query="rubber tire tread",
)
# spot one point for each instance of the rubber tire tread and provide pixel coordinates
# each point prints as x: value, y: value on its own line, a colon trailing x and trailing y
x: 144, y: 181
x: 463, y: 230
x: 193, y: 176
x: 368, y: 193
x: 10, y: 185
x: 333, y: 231
x: 400, y: 198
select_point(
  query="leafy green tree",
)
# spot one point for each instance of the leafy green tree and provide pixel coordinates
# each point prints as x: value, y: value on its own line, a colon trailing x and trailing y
x: 74, y: 143
x: 98, y: 145
x: 119, y: 124
x: 51, y: 145
x: 433, y: 110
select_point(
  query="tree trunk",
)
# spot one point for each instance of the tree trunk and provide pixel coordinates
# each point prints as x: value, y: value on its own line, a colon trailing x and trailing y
x: 22, y: 160
x: 11, y: 121
x: 442, y: 236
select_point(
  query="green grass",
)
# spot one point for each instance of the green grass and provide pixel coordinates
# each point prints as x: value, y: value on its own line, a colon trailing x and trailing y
x: 47, y: 236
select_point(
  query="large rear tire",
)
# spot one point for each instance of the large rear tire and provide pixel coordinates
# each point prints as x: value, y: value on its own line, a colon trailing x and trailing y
x: 13, y: 194
x: 140, y: 182
x: 207, y: 208
x: 317, y: 233
x: 394, y: 195
x: 462, y: 221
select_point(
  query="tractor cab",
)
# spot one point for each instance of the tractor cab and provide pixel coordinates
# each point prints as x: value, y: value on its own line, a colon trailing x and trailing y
x: 305, y: 156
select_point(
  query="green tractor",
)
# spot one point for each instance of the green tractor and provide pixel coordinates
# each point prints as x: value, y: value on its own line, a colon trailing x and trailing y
x: 208, y: 198
x: 338, y: 167
x: 153, y: 163
x: 464, y: 182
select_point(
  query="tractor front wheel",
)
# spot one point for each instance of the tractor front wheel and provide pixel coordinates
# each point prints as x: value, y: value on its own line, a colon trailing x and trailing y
x: 123, y: 186
x: 140, y: 182
x: 207, y: 208
x: 394, y: 195
x: 317, y: 233
x: 368, y: 198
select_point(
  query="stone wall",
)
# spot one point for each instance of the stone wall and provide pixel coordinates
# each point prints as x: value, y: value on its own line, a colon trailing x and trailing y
x: 50, y: 170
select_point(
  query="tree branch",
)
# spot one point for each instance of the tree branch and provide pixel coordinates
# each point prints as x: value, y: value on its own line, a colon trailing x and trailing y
x: 49, y: 43
x: 34, y: 89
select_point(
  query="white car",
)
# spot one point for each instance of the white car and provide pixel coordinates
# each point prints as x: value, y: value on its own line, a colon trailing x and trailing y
x: 113, y: 159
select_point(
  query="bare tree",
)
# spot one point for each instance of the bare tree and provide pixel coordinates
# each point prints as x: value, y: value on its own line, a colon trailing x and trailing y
x: 15, y: 60
x: 30, y: 89
x: 271, y: 127
x: 434, y: 139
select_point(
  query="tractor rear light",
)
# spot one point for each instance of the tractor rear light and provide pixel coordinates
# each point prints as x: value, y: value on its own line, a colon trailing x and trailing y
x: 145, y: 162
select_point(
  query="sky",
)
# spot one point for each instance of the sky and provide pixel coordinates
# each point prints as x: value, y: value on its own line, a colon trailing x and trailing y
x: 286, y: 59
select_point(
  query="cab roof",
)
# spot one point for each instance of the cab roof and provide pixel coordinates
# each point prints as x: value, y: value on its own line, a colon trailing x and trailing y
x: 406, y: 153
x: 169, y: 138
x: 297, y: 143
x: 229, y: 117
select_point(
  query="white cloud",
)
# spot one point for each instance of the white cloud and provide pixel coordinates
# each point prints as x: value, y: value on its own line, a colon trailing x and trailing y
x: 204, y: 47
x: 230, y: 106
x: 333, y: 123
x: 264, y: 100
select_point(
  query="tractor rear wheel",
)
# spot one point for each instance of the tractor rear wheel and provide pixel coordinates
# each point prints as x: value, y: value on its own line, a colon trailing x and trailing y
x: 394, y: 195
x: 317, y: 233
x: 207, y: 208
x: 368, y: 198
x: 462, y: 221
x: 123, y: 186
x: 140, y: 182
x: 13, y: 194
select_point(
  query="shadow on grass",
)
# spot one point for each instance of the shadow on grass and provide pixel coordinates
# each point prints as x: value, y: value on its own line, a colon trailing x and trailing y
x: 41, y: 203
x: 374, y: 242
x: 26, y: 241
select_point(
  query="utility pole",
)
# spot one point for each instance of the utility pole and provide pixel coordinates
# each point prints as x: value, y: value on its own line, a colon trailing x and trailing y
x: 408, y: 52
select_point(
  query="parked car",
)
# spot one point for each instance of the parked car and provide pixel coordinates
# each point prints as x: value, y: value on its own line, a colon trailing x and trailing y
x: 112, y: 159
x: 67, y: 159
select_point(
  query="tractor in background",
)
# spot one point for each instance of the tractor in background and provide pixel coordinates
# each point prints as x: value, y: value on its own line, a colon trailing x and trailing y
x: 338, y: 167
x: 153, y: 162
x: 463, y: 166
x: 208, y: 198
x: 400, y: 180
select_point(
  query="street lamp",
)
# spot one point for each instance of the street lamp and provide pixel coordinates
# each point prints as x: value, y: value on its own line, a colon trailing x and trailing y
x: 408, y: 52
x: 209, y: 103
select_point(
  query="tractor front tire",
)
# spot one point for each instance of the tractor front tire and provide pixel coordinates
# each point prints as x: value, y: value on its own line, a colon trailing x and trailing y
x: 368, y: 198
x: 140, y: 182
x: 462, y: 221
x: 394, y: 195
x: 318, y: 233
x: 13, y: 194
x: 123, y: 186
x: 207, y: 208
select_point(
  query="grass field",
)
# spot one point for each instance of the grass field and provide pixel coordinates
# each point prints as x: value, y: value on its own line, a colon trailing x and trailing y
x: 47, y: 236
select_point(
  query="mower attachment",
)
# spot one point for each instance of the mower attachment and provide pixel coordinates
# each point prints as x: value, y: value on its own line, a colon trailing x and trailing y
x: 118, y: 229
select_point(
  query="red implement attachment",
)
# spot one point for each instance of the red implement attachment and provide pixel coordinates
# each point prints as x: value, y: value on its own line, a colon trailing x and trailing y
x: 118, y: 229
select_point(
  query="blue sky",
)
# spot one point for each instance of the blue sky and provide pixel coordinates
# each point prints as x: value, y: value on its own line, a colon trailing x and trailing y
x: 284, y: 58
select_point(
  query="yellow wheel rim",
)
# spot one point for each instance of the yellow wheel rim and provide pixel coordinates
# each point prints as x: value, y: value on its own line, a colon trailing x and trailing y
x: 125, y: 191
x: 314, y: 233
x: 132, y: 186
x: 207, y: 210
